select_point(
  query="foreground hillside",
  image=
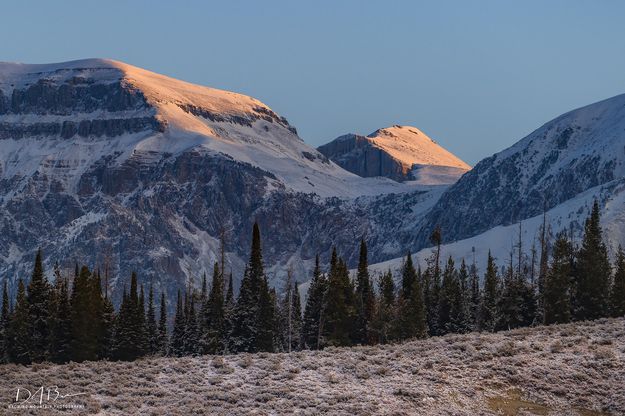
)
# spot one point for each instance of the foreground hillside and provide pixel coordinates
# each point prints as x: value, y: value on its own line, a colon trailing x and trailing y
x: 566, y: 369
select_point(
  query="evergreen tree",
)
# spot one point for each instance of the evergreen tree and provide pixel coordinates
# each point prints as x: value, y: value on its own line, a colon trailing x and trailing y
x: 290, y: 317
x: 296, y: 322
x: 386, y: 309
x: 510, y: 302
x: 213, y: 337
x: 190, y: 343
x: 108, y: 328
x: 229, y: 309
x: 475, y: 299
x: 461, y: 307
x: 617, y: 295
x: 338, y: 305
x: 19, y: 329
x: 556, y: 286
x: 177, y: 336
x: 4, y: 324
x: 204, y: 295
x: 411, y: 319
x: 101, y: 329
x: 593, y: 272
x: 448, y: 294
x: 408, y: 277
x: 365, y: 299
x: 130, y: 332
x: 254, y: 322
x: 153, y: 346
x: 314, y: 307
x: 85, y: 320
x: 61, y: 334
x: 163, y: 340
x: 488, y: 308
x: 265, y: 338
x: 38, y: 312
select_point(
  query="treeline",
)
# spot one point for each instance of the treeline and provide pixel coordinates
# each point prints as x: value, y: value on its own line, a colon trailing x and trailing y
x: 75, y: 321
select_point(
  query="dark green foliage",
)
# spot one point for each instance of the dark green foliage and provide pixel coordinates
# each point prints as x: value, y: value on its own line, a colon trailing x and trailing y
x: 290, y: 325
x: 229, y: 309
x: 150, y: 326
x: 592, y: 272
x: 108, y: 329
x: 411, y: 320
x: 617, y: 295
x: 177, y: 336
x: 38, y: 312
x: 61, y: 329
x: 365, y: 299
x: 475, y: 299
x: 556, y: 286
x: 213, y: 324
x: 163, y: 340
x: 191, y: 337
x: 19, y: 329
x: 488, y: 308
x: 385, y: 323
x: 314, y: 308
x: 86, y: 309
x: 338, y: 310
x: 4, y: 324
x: 254, y: 316
x: 130, y: 334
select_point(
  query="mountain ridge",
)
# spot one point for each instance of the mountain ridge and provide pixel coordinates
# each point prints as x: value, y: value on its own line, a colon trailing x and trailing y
x: 397, y: 152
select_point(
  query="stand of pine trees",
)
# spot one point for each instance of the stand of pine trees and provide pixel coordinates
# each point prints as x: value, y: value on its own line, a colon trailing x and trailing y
x: 72, y: 318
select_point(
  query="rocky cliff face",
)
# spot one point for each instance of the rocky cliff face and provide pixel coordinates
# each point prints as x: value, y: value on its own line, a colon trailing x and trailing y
x: 575, y: 152
x: 399, y: 152
x: 359, y: 155
x: 113, y: 166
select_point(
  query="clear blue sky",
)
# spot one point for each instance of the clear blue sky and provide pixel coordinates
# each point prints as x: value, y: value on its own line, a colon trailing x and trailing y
x: 475, y: 75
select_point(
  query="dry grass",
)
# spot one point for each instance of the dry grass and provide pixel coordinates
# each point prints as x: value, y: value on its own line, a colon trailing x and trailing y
x: 574, y: 369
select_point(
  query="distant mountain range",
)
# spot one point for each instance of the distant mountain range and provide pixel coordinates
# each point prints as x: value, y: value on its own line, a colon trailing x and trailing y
x: 105, y: 163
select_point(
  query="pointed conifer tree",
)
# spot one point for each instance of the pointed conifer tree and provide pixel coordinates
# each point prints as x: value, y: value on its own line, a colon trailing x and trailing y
x: 61, y: 336
x: 556, y: 286
x: 229, y: 309
x: 212, y: 338
x: 386, y: 309
x: 592, y: 272
x: 4, y: 323
x: 39, y: 311
x: 617, y: 295
x: 190, y: 344
x: 488, y: 308
x: 150, y: 325
x: 85, y: 318
x: 475, y: 298
x: 163, y: 339
x: 19, y: 329
x: 338, y: 305
x: 313, y: 310
x: 177, y: 336
x: 365, y: 298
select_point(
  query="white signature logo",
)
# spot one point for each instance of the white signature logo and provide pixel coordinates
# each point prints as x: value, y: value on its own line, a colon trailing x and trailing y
x: 41, y: 397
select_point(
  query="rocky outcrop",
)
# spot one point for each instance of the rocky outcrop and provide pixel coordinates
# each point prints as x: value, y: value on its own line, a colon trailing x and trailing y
x: 396, y: 152
x: 359, y: 155
x: 577, y: 151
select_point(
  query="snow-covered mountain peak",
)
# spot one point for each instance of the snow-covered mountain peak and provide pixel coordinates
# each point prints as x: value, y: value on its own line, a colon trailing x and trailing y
x: 402, y: 153
x: 413, y: 147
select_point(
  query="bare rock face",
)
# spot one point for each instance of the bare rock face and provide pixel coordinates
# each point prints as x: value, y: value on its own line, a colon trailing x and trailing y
x: 359, y: 155
x: 567, y: 156
x: 395, y: 152
x: 112, y: 166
